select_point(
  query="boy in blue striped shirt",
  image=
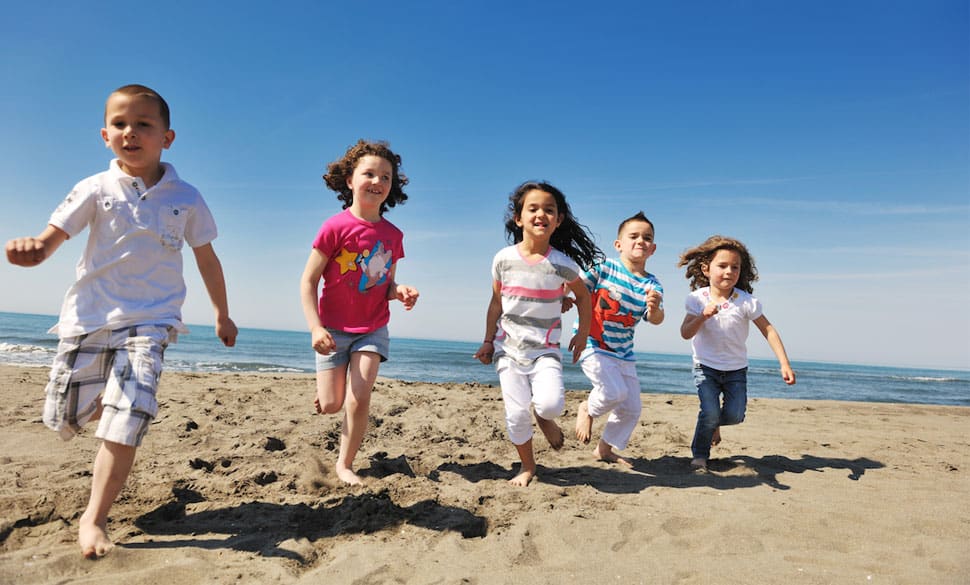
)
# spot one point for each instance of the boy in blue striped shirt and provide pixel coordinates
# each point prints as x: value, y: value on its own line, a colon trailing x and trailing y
x: 623, y: 293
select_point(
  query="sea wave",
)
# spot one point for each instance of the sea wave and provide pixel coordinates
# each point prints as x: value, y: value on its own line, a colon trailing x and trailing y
x: 26, y: 349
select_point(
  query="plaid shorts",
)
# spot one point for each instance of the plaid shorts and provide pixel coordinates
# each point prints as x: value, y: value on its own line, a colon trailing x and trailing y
x: 117, y: 368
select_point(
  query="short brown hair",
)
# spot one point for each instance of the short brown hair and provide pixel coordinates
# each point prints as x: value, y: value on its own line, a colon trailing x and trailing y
x: 141, y: 91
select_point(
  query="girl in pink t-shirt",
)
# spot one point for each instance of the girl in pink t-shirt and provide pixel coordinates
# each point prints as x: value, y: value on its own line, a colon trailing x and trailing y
x: 355, y: 253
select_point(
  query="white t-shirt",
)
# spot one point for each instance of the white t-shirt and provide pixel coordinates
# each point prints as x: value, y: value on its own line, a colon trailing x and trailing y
x: 720, y: 342
x: 131, y: 269
x: 532, y: 293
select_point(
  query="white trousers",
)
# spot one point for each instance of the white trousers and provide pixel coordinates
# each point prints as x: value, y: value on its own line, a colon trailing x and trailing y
x: 616, y: 390
x: 537, y: 385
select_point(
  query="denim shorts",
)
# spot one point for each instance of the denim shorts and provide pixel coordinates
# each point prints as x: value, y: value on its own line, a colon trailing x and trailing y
x: 377, y: 341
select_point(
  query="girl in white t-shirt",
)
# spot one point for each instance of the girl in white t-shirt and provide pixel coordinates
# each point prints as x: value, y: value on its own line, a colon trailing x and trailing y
x: 523, y: 322
x: 719, y: 309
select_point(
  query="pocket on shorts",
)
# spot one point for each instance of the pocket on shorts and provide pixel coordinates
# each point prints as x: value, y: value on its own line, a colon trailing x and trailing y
x: 62, y: 370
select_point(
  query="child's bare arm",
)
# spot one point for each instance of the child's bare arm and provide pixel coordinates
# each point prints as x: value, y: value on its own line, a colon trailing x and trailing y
x: 774, y: 341
x: 692, y: 323
x: 655, y: 314
x: 584, y: 307
x: 31, y: 251
x: 408, y: 295
x: 487, y: 350
x: 320, y: 338
x: 215, y: 284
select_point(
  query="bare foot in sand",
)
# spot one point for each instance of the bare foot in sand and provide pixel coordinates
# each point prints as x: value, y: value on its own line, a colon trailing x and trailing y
x: 604, y: 452
x: 584, y: 423
x: 523, y: 478
x: 551, y: 431
x: 347, y: 475
x: 716, y: 437
x: 93, y: 539
x: 698, y: 464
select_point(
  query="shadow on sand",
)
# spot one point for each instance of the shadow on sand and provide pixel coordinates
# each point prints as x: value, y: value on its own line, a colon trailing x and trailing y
x: 668, y: 471
x: 261, y: 527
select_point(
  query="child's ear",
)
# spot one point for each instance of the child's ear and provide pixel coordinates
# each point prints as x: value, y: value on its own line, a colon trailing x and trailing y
x: 104, y: 136
x: 169, y: 138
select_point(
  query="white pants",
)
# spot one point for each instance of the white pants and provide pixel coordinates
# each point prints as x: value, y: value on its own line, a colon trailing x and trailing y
x: 524, y: 387
x: 616, y: 390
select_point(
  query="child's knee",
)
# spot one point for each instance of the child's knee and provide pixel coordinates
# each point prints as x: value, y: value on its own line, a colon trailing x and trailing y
x: 551, y: 407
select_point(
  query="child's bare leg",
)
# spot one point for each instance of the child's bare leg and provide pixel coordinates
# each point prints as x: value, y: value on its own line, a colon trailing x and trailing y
x: 111, y: 468
x: 363, y: 373
x: 528, y: 469
x: 584, y: 423
x: 604, y: 451
x: 716, y: 437
x: 331, y: 390
x: 551, y: 431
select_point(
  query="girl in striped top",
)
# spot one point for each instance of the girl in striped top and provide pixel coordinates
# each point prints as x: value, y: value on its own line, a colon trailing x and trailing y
x: 523, y: 321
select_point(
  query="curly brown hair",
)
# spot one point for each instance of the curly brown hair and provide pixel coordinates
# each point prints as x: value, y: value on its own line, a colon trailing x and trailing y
x: 340, y: 170
x: 698, y: 258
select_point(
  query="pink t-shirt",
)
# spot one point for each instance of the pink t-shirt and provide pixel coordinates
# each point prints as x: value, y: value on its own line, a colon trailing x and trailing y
x: 360, y: 255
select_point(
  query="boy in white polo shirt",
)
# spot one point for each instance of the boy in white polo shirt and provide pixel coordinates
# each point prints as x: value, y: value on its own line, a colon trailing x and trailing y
x: 125, y: 306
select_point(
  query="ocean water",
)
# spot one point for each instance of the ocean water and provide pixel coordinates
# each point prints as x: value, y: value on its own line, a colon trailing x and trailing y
x: 23, y: 341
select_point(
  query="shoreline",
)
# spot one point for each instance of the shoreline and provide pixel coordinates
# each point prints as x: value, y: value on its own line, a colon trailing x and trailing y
x: 807, y: 491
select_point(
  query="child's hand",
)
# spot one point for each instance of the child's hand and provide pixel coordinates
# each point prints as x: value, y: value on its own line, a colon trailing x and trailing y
x: 322, y: 341
x: 576, y: 345
x: 567, y: 303
x: 710, y: 310
x: 485, y: 352
x: 653, y: 300
x: 407, y: 295
x: 227, y: 331
x: 788, y: 375
x: 26, y: 251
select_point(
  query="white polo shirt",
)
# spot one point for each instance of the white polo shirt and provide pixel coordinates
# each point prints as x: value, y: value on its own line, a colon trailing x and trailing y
x: 131, y: 269
x: 720, y: 343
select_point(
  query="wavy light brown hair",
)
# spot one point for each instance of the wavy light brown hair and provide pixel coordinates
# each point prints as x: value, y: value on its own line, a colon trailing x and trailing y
x: 698, y: 258
x: 340, y: 170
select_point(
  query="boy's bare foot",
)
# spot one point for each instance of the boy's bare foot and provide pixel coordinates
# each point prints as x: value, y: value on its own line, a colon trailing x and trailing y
x: 523, y: 478
x: 551, y: 431
x: 93, y: 539
x: 716, y: 437
x: 347, y: 475
x: 604, y: 452
x: 698, y: 464
x: 316, y: 405
x: 584, y: 423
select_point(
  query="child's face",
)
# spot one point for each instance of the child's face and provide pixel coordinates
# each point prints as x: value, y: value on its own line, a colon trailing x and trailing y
x: 539, y: 217
x: 371, y: 181
x: 724, y: 270
x: 635, y: 242
x: 135, y: 132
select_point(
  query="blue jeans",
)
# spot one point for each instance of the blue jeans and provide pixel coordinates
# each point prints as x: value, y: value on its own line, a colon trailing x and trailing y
x: 711, y: 384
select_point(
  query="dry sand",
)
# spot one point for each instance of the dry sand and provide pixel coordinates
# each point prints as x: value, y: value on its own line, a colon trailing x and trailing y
x: 234, y: 484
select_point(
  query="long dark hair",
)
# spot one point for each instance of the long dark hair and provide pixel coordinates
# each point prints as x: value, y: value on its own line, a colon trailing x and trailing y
x: 571, y: 237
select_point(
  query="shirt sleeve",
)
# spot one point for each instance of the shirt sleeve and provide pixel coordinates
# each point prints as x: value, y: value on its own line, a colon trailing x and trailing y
x: 692, y: 305
x: 77, y: 210
x: 200, y: 228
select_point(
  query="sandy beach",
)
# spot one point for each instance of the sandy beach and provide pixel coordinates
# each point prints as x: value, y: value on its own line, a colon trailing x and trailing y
x: 234, y: 484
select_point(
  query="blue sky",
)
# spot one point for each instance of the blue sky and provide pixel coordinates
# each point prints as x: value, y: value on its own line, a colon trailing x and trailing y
x: 832, y: 137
